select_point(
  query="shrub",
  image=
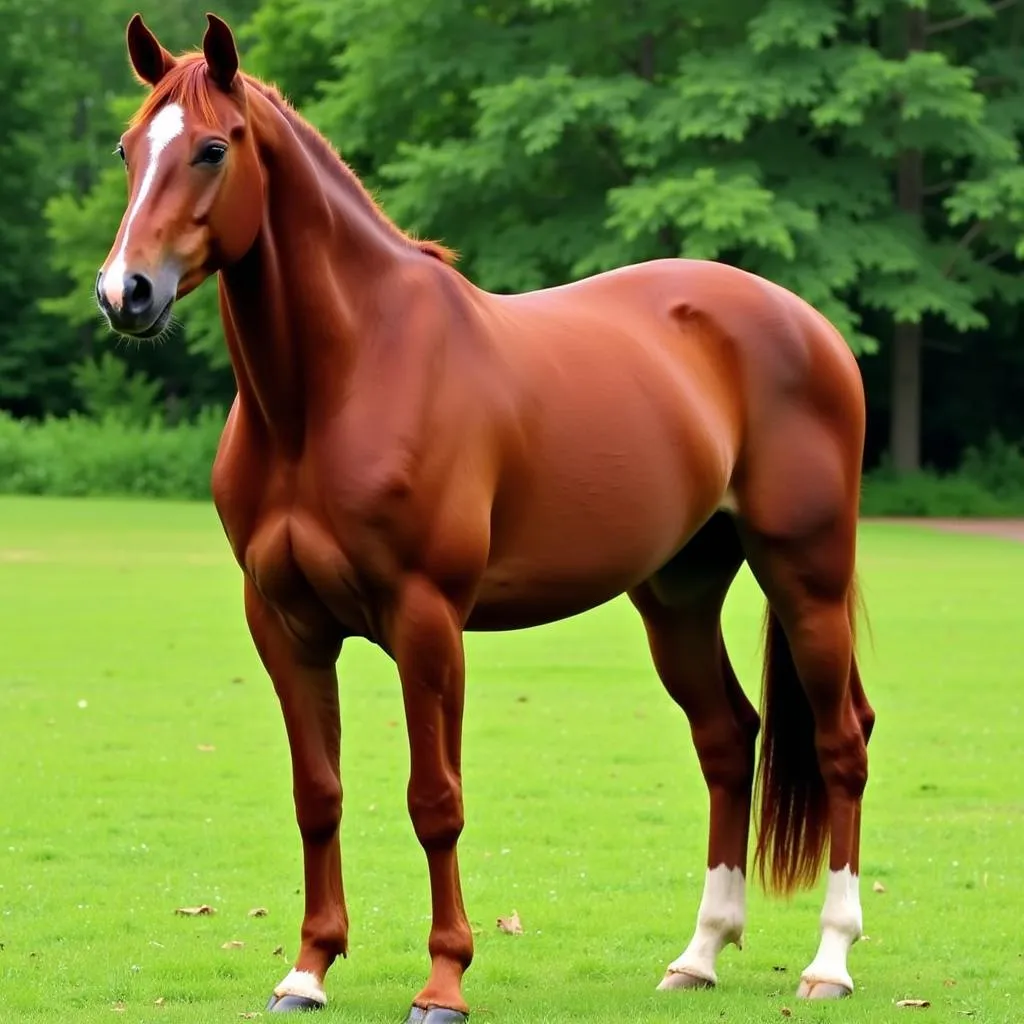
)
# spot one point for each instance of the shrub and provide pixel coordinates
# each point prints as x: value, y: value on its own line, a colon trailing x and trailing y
x: 78, y: 456
x: 115, y: 455
x: 989, y: 482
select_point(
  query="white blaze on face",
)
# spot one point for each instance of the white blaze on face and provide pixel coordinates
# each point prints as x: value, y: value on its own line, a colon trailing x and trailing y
x: 168, y: 124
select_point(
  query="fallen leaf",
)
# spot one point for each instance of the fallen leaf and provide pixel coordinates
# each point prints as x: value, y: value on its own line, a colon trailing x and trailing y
x: 949, y: 983
x: 238, y: 679
x: 918, y: 1004
x: 278, y: 951
x: 201, y: 911
x: 511, y: 925
x: 786, y: 1012
x: 119, y: 1007
x: 258, y: 912
x: 779, y: 967
x: 206, y: 748
x: 233, y: 944
x: 522, y: 700
x: 249, y: 1016
x: 878, y: 887
x: 159, y: 1002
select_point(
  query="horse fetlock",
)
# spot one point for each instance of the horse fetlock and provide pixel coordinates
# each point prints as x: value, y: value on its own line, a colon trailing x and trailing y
x: 453, y: 943
x: 326, y: 937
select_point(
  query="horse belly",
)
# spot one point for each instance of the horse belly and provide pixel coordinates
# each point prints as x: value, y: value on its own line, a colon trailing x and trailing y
x: 581, y: 546
x: 624, y: 467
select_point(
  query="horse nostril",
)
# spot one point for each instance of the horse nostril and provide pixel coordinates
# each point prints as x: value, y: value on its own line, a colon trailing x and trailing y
x: 138, y: 294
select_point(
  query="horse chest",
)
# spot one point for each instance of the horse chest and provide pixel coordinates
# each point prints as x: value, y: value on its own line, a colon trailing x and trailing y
x: 270, y: 562
x: 301, y: 570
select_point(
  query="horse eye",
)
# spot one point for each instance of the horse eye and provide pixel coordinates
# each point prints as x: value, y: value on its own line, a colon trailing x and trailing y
x: 120, y: 152
x: 212, y: 153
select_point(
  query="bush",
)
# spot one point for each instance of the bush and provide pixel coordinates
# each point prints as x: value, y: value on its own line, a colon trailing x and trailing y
x: 111, y: 457
x: 989, y: 482
x: 78, y: 456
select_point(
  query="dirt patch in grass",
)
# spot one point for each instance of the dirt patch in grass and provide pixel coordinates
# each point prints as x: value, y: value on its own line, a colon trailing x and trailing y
x: 1006, y: 529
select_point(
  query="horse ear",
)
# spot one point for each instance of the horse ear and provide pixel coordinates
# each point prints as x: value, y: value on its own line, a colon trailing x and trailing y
x: 220, y: 52
x: 150, y: 60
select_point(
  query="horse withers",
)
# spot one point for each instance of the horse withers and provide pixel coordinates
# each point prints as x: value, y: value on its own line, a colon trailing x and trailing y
x: 409, y: 457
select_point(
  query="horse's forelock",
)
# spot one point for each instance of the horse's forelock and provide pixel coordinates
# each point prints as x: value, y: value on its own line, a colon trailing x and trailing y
x: 186, y: 84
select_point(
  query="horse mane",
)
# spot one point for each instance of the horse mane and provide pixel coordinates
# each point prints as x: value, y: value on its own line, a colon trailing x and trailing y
x: 187, y: 83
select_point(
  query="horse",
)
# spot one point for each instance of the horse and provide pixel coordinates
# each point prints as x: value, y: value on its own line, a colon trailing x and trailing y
x: 409, y: 457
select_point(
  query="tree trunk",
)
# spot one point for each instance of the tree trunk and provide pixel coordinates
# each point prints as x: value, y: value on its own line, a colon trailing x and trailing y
x: 905, y: 414
x: 905, y: 389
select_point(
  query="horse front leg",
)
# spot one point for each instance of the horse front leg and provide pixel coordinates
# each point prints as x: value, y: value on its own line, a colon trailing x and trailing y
x: 426, y: 642
x: 306, y: 683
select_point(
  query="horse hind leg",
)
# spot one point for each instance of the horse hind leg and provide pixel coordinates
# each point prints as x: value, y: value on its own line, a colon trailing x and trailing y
x: 816, y: 721
x: 681, y: 609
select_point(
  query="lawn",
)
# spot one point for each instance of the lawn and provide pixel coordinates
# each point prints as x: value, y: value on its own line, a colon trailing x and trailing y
x: 143, y: 768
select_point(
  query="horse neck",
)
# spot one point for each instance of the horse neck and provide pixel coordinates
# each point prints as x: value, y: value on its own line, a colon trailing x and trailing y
x: 290, y: 307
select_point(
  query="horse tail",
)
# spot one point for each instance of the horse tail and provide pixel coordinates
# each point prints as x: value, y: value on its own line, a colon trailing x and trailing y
x: 790, y: 791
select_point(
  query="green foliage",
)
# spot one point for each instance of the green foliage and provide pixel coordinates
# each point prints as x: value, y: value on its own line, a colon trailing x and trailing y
x: 110, y: 391
x: 76, y: 456
x: 549, y: 139
x: 989, y: 482
x: 125, y: 449
x: 767, y: 139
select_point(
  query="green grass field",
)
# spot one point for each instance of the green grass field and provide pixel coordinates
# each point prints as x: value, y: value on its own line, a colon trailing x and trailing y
x: 124, y: 657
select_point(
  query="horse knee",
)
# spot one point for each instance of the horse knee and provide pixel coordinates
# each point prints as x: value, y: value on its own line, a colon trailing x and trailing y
x: 318, y: 809
x: 438, y: 816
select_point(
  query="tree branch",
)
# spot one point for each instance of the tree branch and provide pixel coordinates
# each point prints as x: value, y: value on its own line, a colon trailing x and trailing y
x: 970, y: 235
x: 966, y: 19
x: 995, y: 257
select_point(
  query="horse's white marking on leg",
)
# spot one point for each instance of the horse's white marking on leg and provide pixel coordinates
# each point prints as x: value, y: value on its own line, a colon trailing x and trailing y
x: 168, y: 124
x: 841, y: 927
x: 302, y: 983
x: 720, y: 920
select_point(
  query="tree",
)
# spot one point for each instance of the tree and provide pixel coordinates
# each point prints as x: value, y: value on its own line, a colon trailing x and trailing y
x: 795, y: 138
x: 862, y: 152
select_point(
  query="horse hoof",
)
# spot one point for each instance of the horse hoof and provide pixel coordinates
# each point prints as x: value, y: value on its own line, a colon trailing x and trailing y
x: 822, y: 990
x: 435, y: 1015
x: 292, y: 1004
x: 683, y: 979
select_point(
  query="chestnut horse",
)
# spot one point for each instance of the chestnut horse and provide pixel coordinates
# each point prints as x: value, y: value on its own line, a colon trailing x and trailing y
x: 409, y: 457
